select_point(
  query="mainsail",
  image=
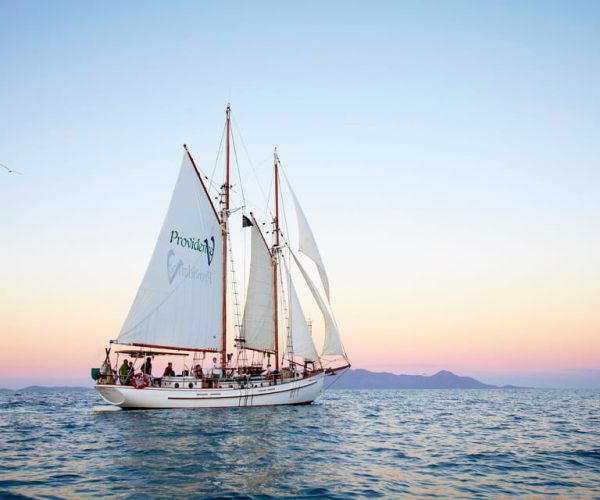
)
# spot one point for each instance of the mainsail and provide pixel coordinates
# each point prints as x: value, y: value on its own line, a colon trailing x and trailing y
x: 307, y: 244
x: 300, y: 334
x: 258, y: 327
x: 332, y: 345
x: 178, y: 303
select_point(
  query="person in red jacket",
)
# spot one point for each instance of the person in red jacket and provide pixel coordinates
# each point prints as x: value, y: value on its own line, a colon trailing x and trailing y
x: 169, y: 372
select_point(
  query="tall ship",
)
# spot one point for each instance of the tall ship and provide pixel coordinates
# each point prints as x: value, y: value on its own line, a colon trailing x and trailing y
x: 187, y: 342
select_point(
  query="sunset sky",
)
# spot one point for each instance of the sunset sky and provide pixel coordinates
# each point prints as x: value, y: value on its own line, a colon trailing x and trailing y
x: 447, y: 155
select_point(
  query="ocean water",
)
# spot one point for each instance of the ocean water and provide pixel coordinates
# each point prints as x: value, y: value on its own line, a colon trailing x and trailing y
x: 447, y: 443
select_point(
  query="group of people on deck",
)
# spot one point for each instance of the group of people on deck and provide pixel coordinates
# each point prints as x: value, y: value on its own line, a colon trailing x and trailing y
x: 127, y: 371
x: 214, y: 372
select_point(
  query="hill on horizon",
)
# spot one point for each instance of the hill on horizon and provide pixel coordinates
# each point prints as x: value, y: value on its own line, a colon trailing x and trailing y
x: 444, y: 379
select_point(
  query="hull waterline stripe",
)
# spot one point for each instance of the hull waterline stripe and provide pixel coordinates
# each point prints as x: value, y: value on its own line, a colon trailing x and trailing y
x: 243, y: 395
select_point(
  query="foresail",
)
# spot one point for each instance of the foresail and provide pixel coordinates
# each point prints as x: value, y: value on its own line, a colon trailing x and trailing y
x: 332, y: 345
x: 258, y: 326
x: 178, y: 303
x: 301, y: 337
x: 307, y: 244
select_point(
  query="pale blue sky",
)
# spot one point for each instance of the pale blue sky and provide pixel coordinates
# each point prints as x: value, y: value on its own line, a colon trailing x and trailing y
x: 454, y: 145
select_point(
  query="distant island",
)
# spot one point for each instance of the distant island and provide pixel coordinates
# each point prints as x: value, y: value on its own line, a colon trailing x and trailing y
x: 352, y: 379
x: 364, y: 379
x: 43, y: 388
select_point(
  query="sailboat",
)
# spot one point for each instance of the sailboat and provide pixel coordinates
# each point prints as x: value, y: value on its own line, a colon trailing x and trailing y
x: 187, y: 307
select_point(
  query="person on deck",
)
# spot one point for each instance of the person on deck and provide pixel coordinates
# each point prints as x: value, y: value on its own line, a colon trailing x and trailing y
x: 216, y: 369
x: 147, y: 367
x: 198, y: 371
x: 124, y: 372
x: 130, y: 374
x: 169, y: 372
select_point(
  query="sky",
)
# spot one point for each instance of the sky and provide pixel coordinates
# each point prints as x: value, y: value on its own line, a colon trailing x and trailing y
x: 446, y: 154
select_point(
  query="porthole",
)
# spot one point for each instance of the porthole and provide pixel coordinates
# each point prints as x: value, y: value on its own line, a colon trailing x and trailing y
x: 176, y: 385
x: 190, y: 385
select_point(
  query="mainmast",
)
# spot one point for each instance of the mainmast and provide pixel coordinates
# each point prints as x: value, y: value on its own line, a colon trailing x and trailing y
x: 225, y: 232
x: 275, y: 255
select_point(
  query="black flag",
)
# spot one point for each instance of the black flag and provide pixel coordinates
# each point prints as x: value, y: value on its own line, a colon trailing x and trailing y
x: 246, y: 222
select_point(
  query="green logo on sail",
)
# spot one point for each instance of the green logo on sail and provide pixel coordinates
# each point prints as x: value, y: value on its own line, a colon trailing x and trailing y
x: 195, y: 244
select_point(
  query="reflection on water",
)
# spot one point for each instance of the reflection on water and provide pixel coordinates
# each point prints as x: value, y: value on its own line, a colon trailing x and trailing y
x: 350, y: 443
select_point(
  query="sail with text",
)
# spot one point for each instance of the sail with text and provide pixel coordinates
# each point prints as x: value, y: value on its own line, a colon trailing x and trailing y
x: 179, y: 301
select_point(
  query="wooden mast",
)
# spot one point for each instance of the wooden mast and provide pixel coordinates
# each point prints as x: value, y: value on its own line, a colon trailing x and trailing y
x: 225, y: 232
x: 275, y: 252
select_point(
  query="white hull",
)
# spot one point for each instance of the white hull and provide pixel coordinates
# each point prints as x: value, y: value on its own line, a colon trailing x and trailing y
x: 301, y: 391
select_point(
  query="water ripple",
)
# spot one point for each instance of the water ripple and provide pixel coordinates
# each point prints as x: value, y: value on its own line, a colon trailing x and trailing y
x: 350, y: 444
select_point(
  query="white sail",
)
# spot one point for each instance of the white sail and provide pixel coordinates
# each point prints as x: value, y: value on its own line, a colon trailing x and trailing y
x: 332, y: 345
x: 258, y: 325
x: 301, y: 337
x: 307, y: 244
x: 178, y: 303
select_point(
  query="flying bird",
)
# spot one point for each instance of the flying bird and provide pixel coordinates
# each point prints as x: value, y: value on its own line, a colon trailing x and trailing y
x: 10, y: 170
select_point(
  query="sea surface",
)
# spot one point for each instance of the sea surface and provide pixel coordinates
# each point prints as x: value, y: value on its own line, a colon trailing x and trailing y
x: 349, y: 444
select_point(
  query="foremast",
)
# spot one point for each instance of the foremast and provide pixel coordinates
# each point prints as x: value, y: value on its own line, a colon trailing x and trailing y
x: 225, y: 201
x: 275, y: 253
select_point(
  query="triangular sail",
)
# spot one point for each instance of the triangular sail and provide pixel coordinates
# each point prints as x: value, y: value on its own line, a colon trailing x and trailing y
x: 332, y: 345
x: 300, y: 334
x: 307, y: 244
x: 178, y: 303
x: 258, y: 327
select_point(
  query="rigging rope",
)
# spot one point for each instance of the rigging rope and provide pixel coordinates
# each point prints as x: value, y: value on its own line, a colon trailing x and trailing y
x: 267, y: 209
x: 286, y: 237
x: 212, y: 175
x: 237, y: 164
x: 252, y: 166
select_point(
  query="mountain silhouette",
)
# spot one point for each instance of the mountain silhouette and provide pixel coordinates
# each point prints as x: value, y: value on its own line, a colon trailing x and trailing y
x: 364, y: 379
